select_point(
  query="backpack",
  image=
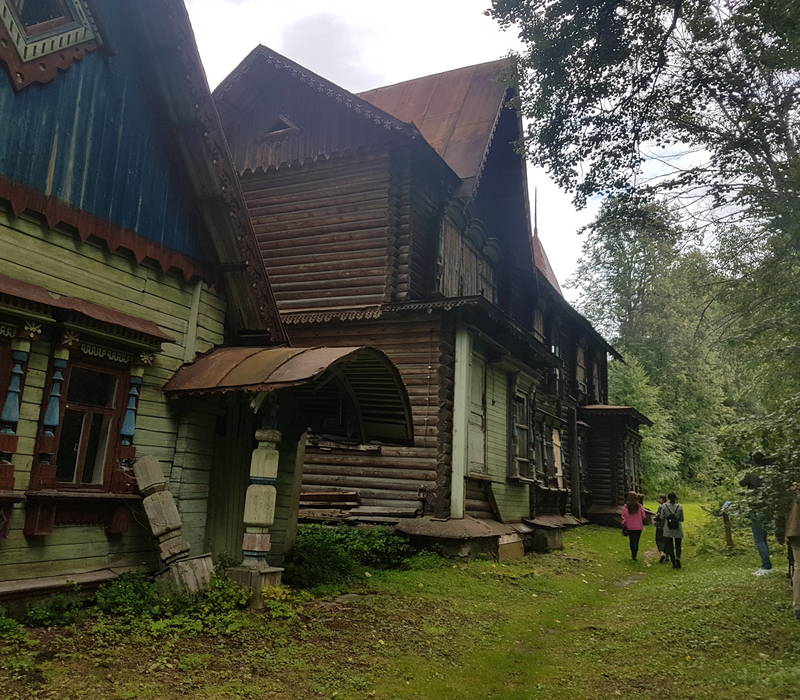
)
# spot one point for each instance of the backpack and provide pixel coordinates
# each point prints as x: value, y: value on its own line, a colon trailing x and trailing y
x: 673, y: 522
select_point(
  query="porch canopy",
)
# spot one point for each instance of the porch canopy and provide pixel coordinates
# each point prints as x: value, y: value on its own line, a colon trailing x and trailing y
x: 354, y: 393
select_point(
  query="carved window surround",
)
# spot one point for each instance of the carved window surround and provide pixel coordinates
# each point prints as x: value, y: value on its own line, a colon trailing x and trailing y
x: 36, y: 53
x: 124, y: 345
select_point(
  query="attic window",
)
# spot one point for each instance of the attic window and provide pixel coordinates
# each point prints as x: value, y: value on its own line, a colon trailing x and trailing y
x: 41, y: 38
x: 38, y: 16
x: 282, y: 127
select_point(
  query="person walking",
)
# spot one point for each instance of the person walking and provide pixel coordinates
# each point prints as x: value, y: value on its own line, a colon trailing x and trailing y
x: 658, y: 526
x: 753, y: 483
x: 672, y: 514
x: 633, y: 522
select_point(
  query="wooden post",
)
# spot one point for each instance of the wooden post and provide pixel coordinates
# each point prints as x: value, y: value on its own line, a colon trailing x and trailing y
x: 726, y: 521
x: 458, y: 471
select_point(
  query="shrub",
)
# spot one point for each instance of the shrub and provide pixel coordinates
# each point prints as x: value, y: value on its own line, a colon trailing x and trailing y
x: 325, y: 554
x: 10, y: 628
x: 56, y: 611
x: 131, y: 595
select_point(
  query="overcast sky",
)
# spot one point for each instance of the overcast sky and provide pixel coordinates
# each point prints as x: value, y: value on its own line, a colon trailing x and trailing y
x: 361, y: 44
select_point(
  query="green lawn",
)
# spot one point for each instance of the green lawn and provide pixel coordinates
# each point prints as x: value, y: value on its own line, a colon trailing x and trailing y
x: 585, y: 623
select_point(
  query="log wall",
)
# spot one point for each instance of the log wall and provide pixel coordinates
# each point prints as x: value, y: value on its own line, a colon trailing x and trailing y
x: 422, y: 348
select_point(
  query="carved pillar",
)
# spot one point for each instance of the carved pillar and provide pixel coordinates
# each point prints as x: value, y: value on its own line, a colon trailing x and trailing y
x: 259, y: 506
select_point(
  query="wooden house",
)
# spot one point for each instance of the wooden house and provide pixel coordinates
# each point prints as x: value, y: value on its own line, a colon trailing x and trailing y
x: 400, y: 218
x: 136, y: 317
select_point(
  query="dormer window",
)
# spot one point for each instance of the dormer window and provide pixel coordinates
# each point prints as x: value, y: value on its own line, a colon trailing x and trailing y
x: 282, y: 126
x: 39, y: 16
x: 39, y: 38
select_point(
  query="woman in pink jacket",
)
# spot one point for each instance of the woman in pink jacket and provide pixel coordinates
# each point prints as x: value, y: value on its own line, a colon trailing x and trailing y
x: 633, y: 522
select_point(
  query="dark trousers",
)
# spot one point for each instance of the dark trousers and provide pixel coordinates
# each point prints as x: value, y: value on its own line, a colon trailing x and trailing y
x: 673, y: 548
x: 633, y: 541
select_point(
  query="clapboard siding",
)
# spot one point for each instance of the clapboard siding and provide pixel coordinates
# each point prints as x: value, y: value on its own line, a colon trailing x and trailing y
x: 181, y: 440
x: 395, y: 475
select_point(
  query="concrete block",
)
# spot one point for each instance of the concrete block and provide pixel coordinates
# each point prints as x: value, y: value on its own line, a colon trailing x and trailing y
x: 259, y: 506
x: 510, y: 547
x: 149, y: 475
x: 162, y: 513
x: 547, y: 540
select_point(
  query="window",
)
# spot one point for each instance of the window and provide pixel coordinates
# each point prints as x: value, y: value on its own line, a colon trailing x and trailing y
x: 38, y: 16
x: 558, y: 469
x: 89, y: 423
x: 538, y: 324
x: 580, y: 368
x: 522, y: 437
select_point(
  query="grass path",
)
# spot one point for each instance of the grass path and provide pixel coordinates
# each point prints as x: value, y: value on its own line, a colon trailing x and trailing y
x: 584, y: 623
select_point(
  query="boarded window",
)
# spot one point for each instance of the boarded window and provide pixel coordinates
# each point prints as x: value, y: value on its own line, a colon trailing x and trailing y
x: 580, y: 368
x: 558, y: 469
x: 538, y: 324
x: 476, y: 444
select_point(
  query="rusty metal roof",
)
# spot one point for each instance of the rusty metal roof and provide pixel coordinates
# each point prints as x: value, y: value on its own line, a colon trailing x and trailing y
x: 456, y: 111
x: 541, y: 263
x: 31, y: 292
x: 369, y: 375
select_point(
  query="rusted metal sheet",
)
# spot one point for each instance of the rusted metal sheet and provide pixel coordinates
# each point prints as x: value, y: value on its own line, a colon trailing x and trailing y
x: 456, y: 111
x: 369, y: 377
x: 542, y: 264
x: 31, y: 292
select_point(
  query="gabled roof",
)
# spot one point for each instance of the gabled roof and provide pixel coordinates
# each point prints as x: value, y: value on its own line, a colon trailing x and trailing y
x: 180, y: 83
x: 240, y: 79
x: 456, y: 111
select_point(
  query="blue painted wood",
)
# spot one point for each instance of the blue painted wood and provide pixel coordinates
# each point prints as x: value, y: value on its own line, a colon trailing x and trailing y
x: 95, y: 137
x: 52, y: 415
x: 9, y: 418
x: 128, y: 429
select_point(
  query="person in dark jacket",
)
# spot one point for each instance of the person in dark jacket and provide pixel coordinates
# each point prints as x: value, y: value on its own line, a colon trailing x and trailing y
x: 658, y: 526
x: 672, y: 514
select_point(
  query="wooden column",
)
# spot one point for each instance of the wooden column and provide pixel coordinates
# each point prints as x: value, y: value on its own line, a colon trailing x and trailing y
x: 259, y: 505
x: 459, y: 458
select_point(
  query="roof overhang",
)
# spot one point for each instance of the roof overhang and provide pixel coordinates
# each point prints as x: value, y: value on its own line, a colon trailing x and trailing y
x: 365, y: 374
x: 629, y: 412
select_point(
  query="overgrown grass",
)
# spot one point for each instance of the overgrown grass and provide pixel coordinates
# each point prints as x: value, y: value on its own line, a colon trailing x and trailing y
x: 585, y: 623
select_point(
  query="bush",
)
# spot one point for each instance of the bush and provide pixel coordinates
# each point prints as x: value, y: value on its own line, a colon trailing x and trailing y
x: 10, y: 628
x: 324, y: 554
x: 56, y: 611
x: 131, y: 595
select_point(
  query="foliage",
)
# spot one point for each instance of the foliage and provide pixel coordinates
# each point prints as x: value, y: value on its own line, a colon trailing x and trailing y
x: 608, y: 84
x: 775, y: 435
x: 54, y: 611
x: 10, y: 628
x: 629, y: 385
x: 283, y: 603
x: 330, y: 554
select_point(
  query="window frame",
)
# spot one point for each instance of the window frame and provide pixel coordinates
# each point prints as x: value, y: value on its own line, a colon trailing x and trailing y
x: 117, y: 412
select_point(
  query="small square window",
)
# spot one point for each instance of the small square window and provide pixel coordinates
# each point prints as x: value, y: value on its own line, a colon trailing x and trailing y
x: 38, y: 16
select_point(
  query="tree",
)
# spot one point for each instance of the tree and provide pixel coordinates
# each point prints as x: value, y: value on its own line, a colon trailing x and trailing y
x: 645, y: 281
x: 707, y: 89
x: 629, y: 385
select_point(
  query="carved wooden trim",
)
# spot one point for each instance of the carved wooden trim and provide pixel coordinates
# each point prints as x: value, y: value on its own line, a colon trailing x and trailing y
x: 56, y: 212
